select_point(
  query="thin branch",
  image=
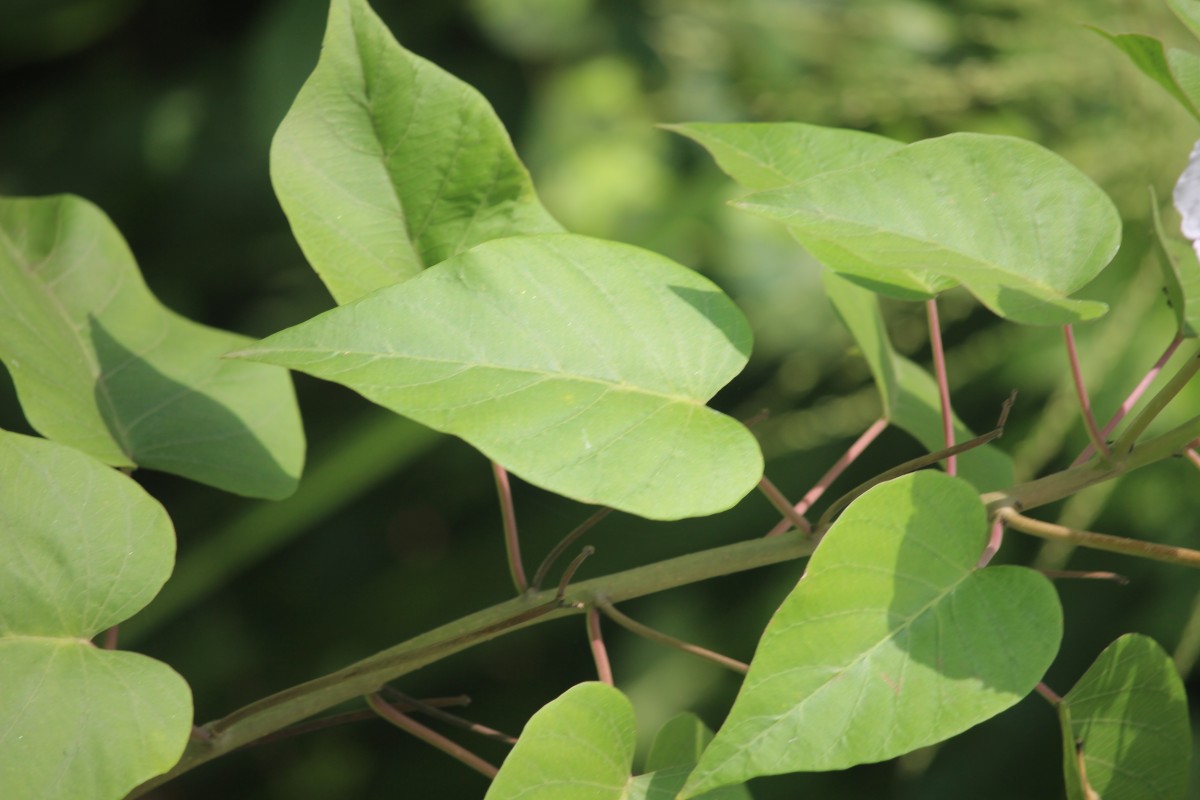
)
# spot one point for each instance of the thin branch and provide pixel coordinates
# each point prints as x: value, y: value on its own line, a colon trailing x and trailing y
x: 430, y: 736
x: 995, y: 539
x: 560, y: 548
x: 939, y: 369
x: 1193, y: 456
x: 599, y: 651
x: 1100, y: 541
x: 832, y: 474
x: 783, y: 506
x: 412, y: 703
x: 1054, y: 574
x: 512, y: 543
x: 1156, y: 405
x: 570, y: 571
x: 110, y: 637
x: 1085, y: 402
x: 1132, y: 399
x: 336, y: 720
x: 1052, y: 697
x: 647, y: 632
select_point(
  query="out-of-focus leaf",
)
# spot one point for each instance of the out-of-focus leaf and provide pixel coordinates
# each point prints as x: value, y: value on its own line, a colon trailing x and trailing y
x: 1181, y: 273
x: 1177, y: 71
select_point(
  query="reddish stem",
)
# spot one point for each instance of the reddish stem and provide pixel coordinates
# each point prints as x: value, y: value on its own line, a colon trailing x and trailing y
x: 777, y: 499
x: 995, y: 539
x: 512, y: 543
x: 1132, y: 399
x: 110, y: 637
x: 1085, y: 403
x: 833, y: 473
x: 1193, y: 456
x: 1052, y: 697
x: 599, y: 652
x: 429, y: 736
x: 939, y: 370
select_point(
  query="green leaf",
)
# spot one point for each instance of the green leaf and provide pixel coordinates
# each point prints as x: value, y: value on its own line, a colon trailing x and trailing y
x: 676, y: 749
x: 1188, y: 12
x: 581, y: 365
x: 1177, y: 71
x: 1128, y: 718
x: 1181, y: 273
x: 577, y: 747
x: 99, y: 364
x: 1017, y: 225
x: 82, y: 548
x: 770, y: 155
x: 892, y: 641
x: 386, y: 164
x: 908, y: 393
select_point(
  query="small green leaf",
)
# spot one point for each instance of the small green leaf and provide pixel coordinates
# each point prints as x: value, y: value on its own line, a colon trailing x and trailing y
x: 1181, y: 273
x: 1016, y: 224
x: 892, y: 641
x: 82, y: 548
x: 770, y: 155
x: 1177, y: 71
x: 581, y: 365
x: 577, y: 747
x: 386, y: 164
x: 99, y: 364
x: 676, y: 748
x: 1188, y: 12
x: 907, y: 392
x: 1128, y: 718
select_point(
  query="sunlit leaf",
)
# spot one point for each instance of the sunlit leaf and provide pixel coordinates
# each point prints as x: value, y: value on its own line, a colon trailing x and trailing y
x: 1017, y: 225
x: 1181, y: 273
x: 892, y: 641
x: 1177, y: 71
x: 581, y: 365
x: 101, y: 365
x: 386, y: 164
x: 907, y: 392
x: 1188, y: 12
x: 1127, y: 721
x: 82, y: 548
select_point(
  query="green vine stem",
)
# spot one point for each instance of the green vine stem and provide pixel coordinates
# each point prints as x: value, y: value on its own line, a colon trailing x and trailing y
x: 1156, y: 405
x: 512, y: 541
x: 1100, y: 541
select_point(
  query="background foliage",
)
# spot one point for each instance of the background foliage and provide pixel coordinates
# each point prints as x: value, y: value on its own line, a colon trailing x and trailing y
x: 161, y: 113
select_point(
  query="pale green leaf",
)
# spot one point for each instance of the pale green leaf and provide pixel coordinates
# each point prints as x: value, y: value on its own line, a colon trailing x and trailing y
x: 770, y: 155
x: 1017, y: 225
x: 892, y: 641
x: 99, y: 364
x: 581, y: 365
x: 1174, y: 70
x: 386, y: 164
x: 577, y: 747
x: 1127, y: 721
x: 1181, y: 273
x: 82, y: 548
x: 673, y: 754
x: 907, y: 392
x: 1188, y: 12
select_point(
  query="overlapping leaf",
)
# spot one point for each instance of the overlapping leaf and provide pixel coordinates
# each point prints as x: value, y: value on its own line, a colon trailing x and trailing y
x: 583, y: 366
x: 1125, y: 726
x: 1181, y: 274
x: 1177, y: 71
x: 1014, y: 223
x: 101, y: 365
x: 673, y: 754
x: 386, y: 164
x: 908, y: 393
x: 82, y: 548
x: 892, y: 641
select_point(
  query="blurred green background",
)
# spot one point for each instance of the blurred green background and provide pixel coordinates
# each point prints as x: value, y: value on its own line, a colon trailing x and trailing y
x: 162, y: 113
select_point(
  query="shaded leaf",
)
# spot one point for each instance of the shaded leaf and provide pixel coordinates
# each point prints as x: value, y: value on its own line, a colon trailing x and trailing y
x: 673, y: 754
x: 82, y: 548
x: 892, y: 641
x: 1016, y: 224
x: 907, y: 392
x: 99, y: 364
x: 1177, y: 71
x: 1181, y: 274
x: 1188, y: 12
x: 580, y: 365
x: 386, y: 164
x: 1128, y: 717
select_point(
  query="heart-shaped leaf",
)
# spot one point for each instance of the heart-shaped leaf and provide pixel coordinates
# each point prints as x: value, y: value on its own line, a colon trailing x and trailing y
x: 1177, y: 71
x: 908, y: 393
x: 386, y: 164
x: 82, y: 548
x: 101, y: 365
x: 769, y: 155
x: 1181, y: 273
x: 893, y: 640
x: 1125, y: 725
x: 581, y: 365
x: 1016, y: 224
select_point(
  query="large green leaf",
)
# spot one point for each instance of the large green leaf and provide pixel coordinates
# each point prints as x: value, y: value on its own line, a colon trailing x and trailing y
x: 770, y: 155
x: 82, y: 548
x: 386, y: 164
x: 1177, y: 71
x: 1128, y: 718
x: 908, y: 393
x: 581, y: 365
x: 1181, y: 274
x: 892, y: 641
x: 673, y: 754
x: 101, y: 365
x: 1017, y: 225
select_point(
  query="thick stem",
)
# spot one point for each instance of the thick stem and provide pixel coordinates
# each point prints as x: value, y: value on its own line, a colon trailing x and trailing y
x: 1101, y: 541
x: 430, y: 736
x: 647, y: 632
x: 599, y: 651
x: 1085, y: 402
x: 939, y: 371
x: 508, y: 515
